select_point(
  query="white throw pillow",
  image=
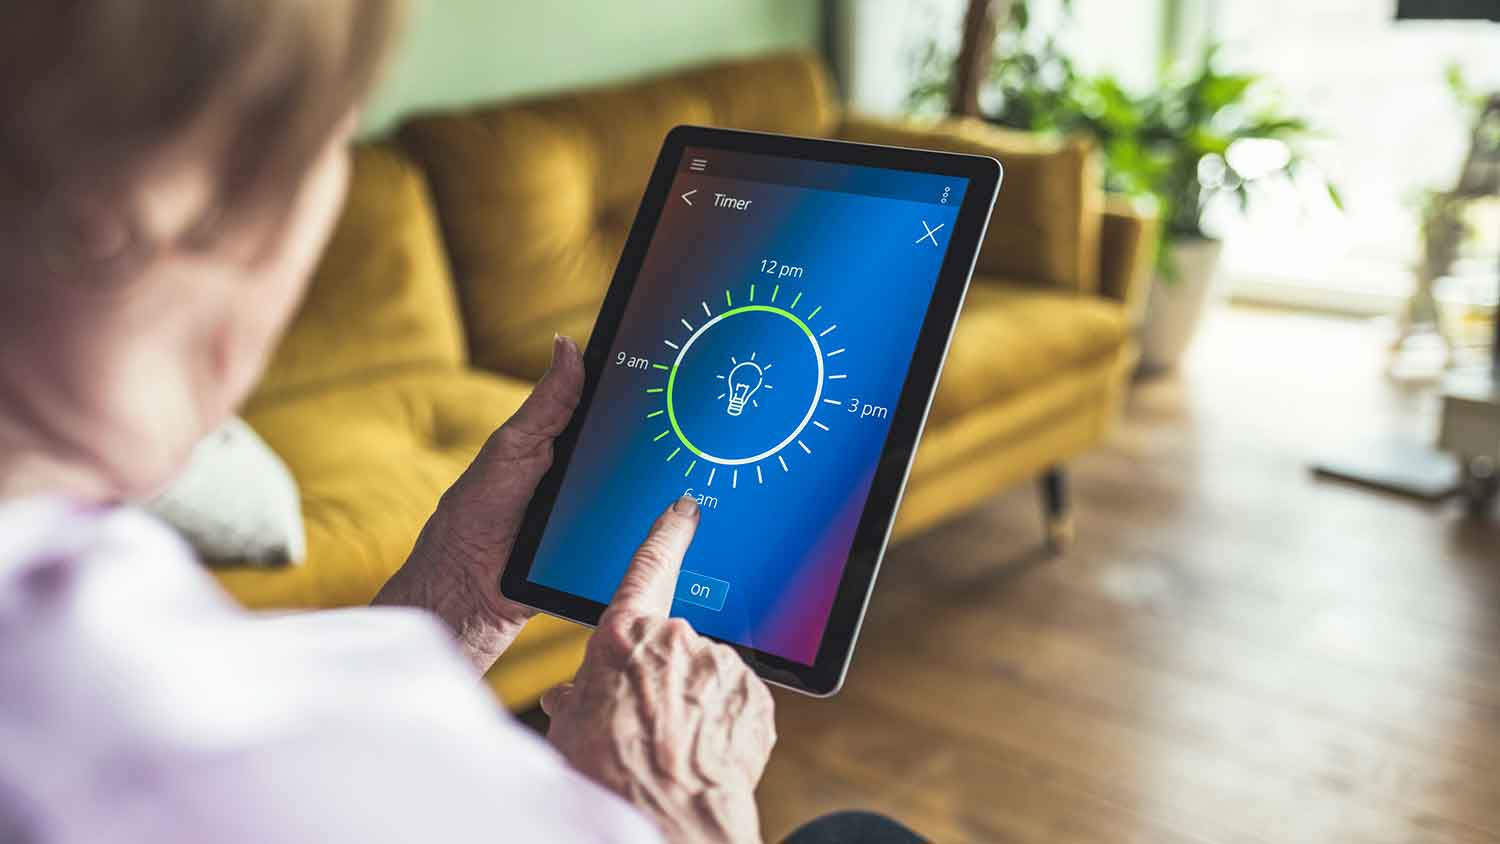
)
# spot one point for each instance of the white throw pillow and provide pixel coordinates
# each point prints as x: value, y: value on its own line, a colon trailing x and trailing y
x: 236, y: 502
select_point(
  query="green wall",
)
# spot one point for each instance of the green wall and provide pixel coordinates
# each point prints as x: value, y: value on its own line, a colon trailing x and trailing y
x: 464, y: 51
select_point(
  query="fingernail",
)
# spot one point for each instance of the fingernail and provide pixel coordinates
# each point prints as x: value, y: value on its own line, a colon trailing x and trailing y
x: 557, y: 347
x: 686, y: 506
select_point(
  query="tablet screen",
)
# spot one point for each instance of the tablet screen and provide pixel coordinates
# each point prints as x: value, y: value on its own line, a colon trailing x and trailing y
x: 756, y: 368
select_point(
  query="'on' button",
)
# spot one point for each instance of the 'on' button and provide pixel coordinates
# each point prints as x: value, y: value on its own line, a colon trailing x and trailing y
x: 700, y: 589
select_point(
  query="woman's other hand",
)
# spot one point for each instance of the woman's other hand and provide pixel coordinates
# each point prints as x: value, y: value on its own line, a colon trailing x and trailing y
x: 671, y: 721
x: 454, y: 570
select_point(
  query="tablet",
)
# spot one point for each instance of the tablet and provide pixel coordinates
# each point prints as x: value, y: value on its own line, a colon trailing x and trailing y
x: 769, y: 345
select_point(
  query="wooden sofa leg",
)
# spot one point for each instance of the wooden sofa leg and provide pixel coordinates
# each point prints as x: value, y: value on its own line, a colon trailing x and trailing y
x: 1059, y: 515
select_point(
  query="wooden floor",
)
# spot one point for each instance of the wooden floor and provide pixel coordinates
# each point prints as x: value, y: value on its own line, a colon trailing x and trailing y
x: 1232, y: 652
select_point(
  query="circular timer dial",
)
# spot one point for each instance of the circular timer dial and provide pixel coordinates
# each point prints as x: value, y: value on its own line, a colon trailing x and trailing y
x: 742, y: 396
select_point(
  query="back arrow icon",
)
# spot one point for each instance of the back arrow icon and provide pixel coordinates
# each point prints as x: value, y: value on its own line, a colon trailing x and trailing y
x: 688, y: 194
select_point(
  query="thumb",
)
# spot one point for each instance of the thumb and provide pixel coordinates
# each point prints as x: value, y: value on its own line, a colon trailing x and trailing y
x: 546, y: 412
x: 555, y: 698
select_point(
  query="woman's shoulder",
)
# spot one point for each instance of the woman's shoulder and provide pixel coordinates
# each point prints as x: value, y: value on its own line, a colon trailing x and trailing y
x: 49, y: 545
x: 108, y: 596
x: 113, y: 636
x: 116, y: 649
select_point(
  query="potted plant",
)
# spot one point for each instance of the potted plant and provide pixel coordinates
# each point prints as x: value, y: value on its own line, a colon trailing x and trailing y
x: 1203, y: 135
x: 1199, y: 136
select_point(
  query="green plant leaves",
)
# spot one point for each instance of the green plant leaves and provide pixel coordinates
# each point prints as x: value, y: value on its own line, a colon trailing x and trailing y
x: 1218, y: 92
x: 1152, y: 142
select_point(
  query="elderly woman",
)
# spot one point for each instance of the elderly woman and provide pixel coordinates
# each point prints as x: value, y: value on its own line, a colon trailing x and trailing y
x: 168, y: 174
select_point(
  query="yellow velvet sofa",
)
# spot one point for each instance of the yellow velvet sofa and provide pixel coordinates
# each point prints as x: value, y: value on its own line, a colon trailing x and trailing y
x: 470, y: 237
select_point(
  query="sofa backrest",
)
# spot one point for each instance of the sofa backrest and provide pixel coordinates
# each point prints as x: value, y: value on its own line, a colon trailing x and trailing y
x: 535, y: 198
x: 381, y: 297
x: 1046, y: 225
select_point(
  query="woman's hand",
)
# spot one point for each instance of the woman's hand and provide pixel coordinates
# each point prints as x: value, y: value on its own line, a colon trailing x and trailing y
x: 671, y: 721
x: 454, y: 570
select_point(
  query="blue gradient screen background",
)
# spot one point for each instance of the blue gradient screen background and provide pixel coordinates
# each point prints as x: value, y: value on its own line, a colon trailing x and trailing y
x: 780, y: 538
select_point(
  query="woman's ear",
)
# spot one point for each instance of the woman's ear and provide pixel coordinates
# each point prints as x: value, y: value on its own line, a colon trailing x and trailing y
x: 86, y: 239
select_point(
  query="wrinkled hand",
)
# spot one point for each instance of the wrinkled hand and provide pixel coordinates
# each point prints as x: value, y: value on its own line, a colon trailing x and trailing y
x: 671, y: 721
x: 454, y: 570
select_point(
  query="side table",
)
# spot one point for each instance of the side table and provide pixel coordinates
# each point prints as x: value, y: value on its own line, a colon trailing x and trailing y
x: 1471, y: 431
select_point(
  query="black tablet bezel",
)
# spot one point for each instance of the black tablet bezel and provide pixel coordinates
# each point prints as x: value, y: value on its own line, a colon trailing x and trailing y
x: 825, y: 675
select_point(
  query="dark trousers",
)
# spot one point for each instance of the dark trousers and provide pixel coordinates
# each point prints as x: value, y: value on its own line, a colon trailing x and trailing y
x: 854, y: 828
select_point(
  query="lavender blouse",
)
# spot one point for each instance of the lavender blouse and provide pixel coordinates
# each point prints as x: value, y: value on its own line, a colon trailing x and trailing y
x: 139, y: 703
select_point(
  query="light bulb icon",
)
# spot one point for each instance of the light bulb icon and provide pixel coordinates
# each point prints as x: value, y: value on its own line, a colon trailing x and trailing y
x: 744, y: 379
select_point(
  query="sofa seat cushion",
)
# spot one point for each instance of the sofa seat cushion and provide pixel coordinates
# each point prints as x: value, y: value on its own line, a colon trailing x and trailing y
x: 1011, y: 337
x: 371, y: 459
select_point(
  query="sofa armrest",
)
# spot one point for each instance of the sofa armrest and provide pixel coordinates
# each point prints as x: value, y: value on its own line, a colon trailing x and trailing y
x: 1046, y: 224
x: 1127, y: 252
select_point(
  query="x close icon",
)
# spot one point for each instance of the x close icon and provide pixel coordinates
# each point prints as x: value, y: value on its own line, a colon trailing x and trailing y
x: 931, y: 232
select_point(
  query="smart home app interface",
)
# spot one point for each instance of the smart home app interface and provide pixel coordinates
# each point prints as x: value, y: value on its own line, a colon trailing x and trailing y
x: 757, y: 367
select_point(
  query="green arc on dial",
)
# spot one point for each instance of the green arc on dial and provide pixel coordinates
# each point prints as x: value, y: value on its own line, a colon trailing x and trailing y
x: 672, y: 375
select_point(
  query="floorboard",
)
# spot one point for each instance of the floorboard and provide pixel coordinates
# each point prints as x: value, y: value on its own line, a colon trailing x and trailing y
x: 1232, y: 651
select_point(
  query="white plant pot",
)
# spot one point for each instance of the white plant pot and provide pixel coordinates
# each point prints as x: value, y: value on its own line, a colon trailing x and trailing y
x: 1176, y: 306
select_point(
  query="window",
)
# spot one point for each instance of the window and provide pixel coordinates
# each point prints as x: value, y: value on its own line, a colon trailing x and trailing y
x: 1393, y: 129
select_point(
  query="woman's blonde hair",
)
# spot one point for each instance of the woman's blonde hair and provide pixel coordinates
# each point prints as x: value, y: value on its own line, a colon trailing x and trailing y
x: 89, y: 89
